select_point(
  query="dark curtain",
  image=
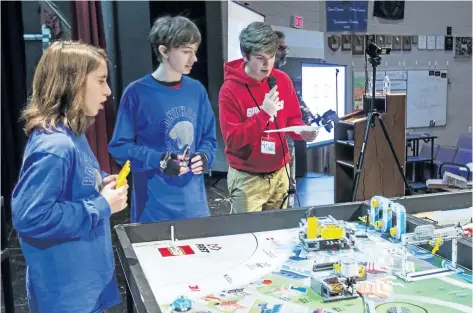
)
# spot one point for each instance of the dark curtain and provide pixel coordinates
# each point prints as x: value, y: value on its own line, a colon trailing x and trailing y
x: 87, y: 26
x: 13, y: 97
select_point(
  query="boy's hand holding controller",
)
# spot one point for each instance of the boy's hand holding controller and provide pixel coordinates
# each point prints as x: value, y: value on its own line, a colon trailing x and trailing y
x: 199, y: 163
x: 173, y: 164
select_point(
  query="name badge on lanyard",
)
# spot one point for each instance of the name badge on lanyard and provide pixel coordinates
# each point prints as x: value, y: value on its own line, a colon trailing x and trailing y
x: 268, y: 145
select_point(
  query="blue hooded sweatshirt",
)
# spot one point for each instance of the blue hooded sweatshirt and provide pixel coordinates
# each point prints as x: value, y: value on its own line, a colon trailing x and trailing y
x: 154, y: 119
x: 63, y: 225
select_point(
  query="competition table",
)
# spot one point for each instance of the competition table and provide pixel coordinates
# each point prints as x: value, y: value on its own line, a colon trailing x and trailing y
x: 232, y: 263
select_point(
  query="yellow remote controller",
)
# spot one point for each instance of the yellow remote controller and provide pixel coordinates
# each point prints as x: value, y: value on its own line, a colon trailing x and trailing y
x: 121, y: 179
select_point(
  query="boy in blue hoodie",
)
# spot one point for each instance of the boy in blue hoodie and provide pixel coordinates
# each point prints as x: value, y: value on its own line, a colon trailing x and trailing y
x: 165, y: 119
x: 62, y: 203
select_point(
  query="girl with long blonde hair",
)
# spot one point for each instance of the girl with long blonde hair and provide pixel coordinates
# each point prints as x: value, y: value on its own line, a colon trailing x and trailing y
x: 62, y: 203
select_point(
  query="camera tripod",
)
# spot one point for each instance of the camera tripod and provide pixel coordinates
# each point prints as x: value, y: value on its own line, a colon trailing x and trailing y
x: 370, y: 122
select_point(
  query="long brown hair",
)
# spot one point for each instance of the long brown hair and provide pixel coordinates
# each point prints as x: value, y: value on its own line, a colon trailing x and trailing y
x: 58, y: 95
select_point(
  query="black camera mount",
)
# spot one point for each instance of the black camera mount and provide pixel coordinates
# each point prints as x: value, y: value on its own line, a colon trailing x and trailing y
x: 374, y: 52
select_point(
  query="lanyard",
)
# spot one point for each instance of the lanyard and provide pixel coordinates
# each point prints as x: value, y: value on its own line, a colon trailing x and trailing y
x: 254, y: 100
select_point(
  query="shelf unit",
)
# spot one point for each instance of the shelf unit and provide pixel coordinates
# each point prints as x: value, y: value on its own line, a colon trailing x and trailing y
x: 379, y: 175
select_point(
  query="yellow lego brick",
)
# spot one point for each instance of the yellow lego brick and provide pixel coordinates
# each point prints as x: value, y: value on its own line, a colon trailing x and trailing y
x: 337, y: 267
x: 312, y: 223
x: 121, y: 179
x: 379, y: 224
x: 437, y: 245
x: 331, y: 232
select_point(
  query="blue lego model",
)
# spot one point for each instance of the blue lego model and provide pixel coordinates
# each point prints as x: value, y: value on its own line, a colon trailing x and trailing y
x: 297, y: 252
x: 381, y: 213
x: 400, y: 227
x: 300, y: 289
x: 182, y: 304
x: 290, y: 274
x: 398, y: 309
x: 265, y: 309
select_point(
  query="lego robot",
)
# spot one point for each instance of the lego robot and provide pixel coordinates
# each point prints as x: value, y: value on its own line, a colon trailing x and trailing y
x: 340, y: 285
x: 323, y: 233
x: 350, y: 268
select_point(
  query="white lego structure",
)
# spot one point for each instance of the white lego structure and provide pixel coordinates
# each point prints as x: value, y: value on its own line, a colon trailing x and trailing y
x: 400, y: 227
x: 380, y: 214
x: 427, y: 234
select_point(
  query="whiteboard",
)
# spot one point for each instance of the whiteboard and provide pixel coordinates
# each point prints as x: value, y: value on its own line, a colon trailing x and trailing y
x: 239, y: 17
x: 319, y: 92
x: 426, y: 93
x: 426, y: 98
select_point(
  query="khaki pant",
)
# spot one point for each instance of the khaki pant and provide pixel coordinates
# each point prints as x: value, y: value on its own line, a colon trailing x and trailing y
x: 257, y: 192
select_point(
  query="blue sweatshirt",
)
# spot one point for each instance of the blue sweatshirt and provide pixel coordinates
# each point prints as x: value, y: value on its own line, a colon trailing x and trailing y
x: 154, y: 119
x: 63, y: 226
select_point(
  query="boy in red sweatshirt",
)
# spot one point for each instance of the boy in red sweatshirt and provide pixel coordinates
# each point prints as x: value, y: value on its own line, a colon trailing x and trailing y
x: 257, y: 177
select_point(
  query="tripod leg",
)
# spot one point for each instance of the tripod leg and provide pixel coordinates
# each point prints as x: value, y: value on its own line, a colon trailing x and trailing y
x: 361, y: 156
x: 399, y: 166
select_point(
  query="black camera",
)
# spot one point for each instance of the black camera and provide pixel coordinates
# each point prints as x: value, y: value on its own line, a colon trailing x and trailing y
x: 326, y: 120
x: 374, y: 51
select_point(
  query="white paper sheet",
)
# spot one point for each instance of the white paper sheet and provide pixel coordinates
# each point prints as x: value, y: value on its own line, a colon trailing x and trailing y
x: 295, y: 129
x: 422, y: 44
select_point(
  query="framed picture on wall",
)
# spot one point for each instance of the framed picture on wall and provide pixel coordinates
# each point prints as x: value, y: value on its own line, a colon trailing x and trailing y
x: 406, y: 43
x: 448, y: 43
x: 333, y: 42
x: 346, y: 42
x: 397, y: 43
x: 381, y: 41
x: 463, y: 46
x: 358, y: 44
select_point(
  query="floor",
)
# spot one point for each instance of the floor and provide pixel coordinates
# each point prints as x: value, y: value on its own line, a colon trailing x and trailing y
x: 314, y: 189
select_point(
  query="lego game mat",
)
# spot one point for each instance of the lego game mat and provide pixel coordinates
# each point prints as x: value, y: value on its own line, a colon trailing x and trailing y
x: 268, y: 272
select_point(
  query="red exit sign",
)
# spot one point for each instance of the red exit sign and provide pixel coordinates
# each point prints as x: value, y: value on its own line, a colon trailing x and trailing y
x: 298, y: 22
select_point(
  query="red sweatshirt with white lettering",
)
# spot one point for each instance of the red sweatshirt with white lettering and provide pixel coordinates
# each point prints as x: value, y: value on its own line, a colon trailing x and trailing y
x: 243, y: 122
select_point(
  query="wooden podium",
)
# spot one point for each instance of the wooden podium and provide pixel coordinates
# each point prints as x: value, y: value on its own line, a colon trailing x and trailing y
x: 380, y: 175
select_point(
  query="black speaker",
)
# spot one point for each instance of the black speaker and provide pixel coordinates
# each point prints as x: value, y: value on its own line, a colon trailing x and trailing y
x: 301, y: 158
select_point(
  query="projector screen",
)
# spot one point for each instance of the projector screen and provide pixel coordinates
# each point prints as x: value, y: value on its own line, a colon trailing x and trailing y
x: 239, y: 17
x: 319, y: 92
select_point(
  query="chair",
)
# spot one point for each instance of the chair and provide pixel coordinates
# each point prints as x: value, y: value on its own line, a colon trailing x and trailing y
x: 445, y: 154
x: 458, y: 166
x: 424, y: 159
x: 424, y: 154
x: 464, y: 141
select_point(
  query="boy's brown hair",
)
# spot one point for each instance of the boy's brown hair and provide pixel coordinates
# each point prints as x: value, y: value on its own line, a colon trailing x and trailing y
x: 58, y: 95
x: 258, y: 37
x: 173, y: 32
